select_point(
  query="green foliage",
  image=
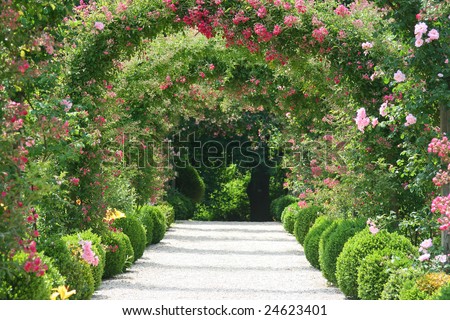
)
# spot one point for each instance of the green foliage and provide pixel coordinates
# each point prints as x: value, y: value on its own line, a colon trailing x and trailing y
x: 277, y: 206
x: 397, y: 281
x: 169, y: 212
x: 443, y: 293
x: 145, y: 216
x: 183, y: 206
x: 190, y: 183
x: 155, y: 218
x: 360, y: 246
x: 21, y: 285
x: 312, y: 240
x: 66, y: 257
x: 304, y: 220
x: 230, y: 202
x: 288, y: 217
x: 72, y: 241
x: 116, y: 252
x: 129, y: 253
x: 375, y: 270
x: 135, y: 230
x: 331, y: 243
x: 159, y: 225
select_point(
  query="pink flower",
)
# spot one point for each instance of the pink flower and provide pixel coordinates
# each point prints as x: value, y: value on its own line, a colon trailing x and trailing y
x: 433, y: 34
x: 276, y: 30
x: 419, y: 42
x: 373, y: 229
x: 320, y: 34
x: 424, y: 257
x: 99, y: 25
x: 75, y: 181
x: 342, y: 11
x: 426, y: 244
x: 262, y: 12
x: 420, y: 28
x: 302, y: 204
x: 410, y: 119
x: 88, y: 255
x: 367, y: 45
x: 374, y: 122
x: 399, y: 76
x: 442, y: 258
x: 290, y: 20
x: 361, y: 119
x: 383, y: 108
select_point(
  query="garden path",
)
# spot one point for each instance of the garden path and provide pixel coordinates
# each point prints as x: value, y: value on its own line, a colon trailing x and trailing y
x: 219, y: 261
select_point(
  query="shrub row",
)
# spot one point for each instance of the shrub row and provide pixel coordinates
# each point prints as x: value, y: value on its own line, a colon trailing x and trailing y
x: 278, y: 205
x: 80, y: 261
x: 363, y: 265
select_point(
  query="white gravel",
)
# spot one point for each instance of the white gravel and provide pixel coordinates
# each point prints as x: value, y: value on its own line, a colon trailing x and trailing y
x: 220, y: 261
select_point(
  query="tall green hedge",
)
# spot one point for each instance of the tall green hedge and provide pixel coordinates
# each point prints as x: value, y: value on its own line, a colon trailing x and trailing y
x: 190, y: 183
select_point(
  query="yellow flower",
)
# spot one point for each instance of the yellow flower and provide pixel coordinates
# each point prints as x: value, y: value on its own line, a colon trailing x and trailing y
x: 112, y: 214
x: 78, y: 202
x: 62, y: 292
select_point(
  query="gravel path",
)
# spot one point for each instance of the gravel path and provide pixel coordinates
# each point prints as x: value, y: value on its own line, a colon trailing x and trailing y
x: 221, y: 260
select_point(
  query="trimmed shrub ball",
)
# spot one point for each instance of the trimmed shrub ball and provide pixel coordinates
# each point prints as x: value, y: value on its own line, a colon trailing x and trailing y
x: 116, y: 252
x: 443, y: 293
x: 332, y: 241
x: 21, y: 285
x: 397, y: 280
x: 129, y: 253
x: 135, y: 230
x: 304, y: 220
x: 155, y: 217
x: 77, y: 272
x: 190, y: 183
x: 159, y: 225
x: 145, y: 217
x: 169, y: 212
x: 375, y: 269
x: 183, y: 207
x: 360, y: 246
x: 288, y: 217
x: 312, y: 239
x: 73, y: 243
x: 277, y: 206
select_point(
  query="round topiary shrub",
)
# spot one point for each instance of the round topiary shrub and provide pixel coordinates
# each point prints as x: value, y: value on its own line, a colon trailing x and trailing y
x: 190, y: 183
x: 332, y: 241
x: 169, y: 212
x: 159, y: 225
x: 73, y: 242
x: 360, y: 246
x: 277, y: 206
x: 183, y: 207
x: 304, y: 220
x: 21, y: 285
x: 116, y: 252
x: 77, y: 272
x: 145, y: 217
x: 312, y: 239
x: 374, y: 271
x: 129, y: 253
x: 443, y: 293
x: 397, y: 280
x: 288, y: 217
x: 135, y: 230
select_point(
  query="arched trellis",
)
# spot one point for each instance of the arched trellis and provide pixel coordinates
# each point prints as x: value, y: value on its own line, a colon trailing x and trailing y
x: 101, y: 37
x: 296, y: 33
